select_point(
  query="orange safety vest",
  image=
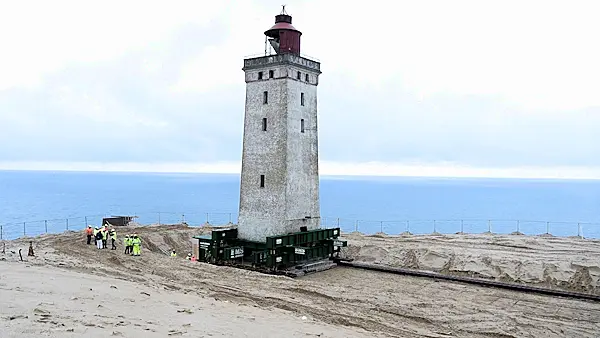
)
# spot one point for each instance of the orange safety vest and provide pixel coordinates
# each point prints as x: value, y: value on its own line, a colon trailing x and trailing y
x: 89, y: 231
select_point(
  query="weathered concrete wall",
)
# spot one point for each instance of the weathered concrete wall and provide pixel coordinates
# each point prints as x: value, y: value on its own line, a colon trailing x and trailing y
x: 286, y: 156
x: 303, y: 157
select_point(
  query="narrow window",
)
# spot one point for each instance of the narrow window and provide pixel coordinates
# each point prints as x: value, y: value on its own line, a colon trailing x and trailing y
x: 307, y: 78
x: 301, y: 125
x: 265, y: 97
x: 301, y: 99
x: 264, y: 124
x: 260, y: 74
x: 262, y: 181
x: 271, y: 74
x: 299, y: 76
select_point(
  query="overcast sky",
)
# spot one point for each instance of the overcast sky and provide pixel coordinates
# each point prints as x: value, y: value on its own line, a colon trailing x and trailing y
x: 492, y: 88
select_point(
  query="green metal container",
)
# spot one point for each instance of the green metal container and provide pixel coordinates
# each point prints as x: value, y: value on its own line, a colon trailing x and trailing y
x: 224, y: 234
x: 302, y: 238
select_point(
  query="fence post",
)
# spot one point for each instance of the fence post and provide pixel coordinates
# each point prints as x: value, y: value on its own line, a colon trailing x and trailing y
x: 518, y: 228
x: 548, y: 228
x: 578, y: 230
x: 381, y: 227
x: 46, y: 225
x: 24, y: 231
x: 490, y: 226
x: 434, y: 226
x: 407, y: 226
x: 159, y: 218
x: 1, y: 234
x: 207, y: 218
x: 67, y: 224
x: 356, y: 225
x: 338, y: 222
x: 86, y: 223
x: 182, y: 218
x: 462, y: 226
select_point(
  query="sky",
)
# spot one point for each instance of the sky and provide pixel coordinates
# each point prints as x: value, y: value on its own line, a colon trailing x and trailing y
x: 415, y: 88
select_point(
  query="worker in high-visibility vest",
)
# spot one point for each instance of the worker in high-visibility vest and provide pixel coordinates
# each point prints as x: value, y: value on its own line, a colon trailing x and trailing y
x: 104, y: 237
x: 173, y: 253
x: 130, y: 244
x: 137, y: 245
x: 89, y: 231
x: 113, y: 239
x: 96, y: 231
x: 126, y: 243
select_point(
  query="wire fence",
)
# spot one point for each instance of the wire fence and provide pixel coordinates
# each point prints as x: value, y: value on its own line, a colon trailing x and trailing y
x: 469, y: 226
x: 29, y: 228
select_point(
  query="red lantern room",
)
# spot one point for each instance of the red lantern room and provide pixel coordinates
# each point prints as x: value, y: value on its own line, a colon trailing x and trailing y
x: 283, y: 37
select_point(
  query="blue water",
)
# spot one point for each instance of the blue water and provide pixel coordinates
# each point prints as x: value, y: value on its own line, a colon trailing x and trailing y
x: 55, y: 201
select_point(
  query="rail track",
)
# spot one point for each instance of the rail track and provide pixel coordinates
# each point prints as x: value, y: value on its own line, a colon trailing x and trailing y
x: 469, y: 280
x: 427, y: 274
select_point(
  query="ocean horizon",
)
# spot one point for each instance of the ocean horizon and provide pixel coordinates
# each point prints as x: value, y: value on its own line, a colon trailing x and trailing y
x: 36, y: 202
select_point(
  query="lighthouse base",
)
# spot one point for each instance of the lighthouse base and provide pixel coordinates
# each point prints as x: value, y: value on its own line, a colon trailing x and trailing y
x: 294, y: 254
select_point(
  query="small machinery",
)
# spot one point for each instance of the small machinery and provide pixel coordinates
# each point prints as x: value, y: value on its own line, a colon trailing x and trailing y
x: 292, y: 254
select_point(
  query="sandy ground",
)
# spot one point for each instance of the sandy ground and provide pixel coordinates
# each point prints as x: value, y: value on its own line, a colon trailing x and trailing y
x: 156, y: 295
x: 565, y: 263
x: 61, y: 303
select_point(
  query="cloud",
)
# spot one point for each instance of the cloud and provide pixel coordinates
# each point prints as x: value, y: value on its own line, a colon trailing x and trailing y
x: 327, y: 168
x: 482, y: 86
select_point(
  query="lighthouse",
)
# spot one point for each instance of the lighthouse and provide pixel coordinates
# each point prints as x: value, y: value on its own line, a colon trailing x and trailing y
x: 279, y: 188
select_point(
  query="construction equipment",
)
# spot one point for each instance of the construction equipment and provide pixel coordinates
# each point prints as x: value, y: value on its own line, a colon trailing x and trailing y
x: 292, y: 254
x: 117, y: 220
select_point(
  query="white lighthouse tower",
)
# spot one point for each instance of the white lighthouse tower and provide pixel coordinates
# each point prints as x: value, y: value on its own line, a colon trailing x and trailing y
x: 279, y: 191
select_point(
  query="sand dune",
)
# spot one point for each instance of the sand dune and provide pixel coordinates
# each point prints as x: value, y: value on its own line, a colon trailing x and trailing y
x: 566, y: 263
x: 196, y: 299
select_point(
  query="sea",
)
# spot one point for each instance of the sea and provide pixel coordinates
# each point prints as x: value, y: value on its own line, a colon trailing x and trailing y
x: 38, y: 202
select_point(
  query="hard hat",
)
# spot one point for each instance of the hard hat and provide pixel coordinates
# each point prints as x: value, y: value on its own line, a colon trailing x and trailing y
x: 89, y: 226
